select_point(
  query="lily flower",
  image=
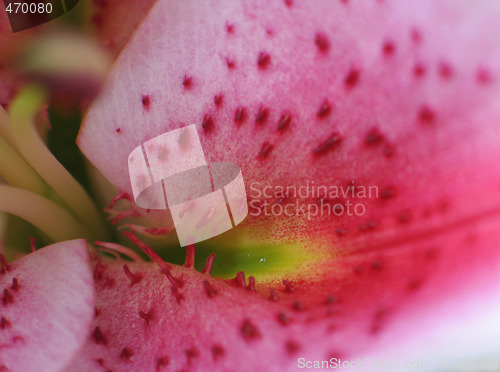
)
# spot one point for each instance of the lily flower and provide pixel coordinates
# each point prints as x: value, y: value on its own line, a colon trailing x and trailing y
x: 367, y: 135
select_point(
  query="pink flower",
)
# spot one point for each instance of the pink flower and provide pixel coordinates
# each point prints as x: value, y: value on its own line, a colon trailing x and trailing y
x: 368, y: 140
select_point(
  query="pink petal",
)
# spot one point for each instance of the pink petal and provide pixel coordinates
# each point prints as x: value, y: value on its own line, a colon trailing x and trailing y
x: 398, y: 96
x: 399, y: 132
x: 47, y: 305
x: 192, y: 321
x: 117, y: 20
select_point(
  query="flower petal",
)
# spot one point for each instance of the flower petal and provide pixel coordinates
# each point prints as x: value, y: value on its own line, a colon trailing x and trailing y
x: 332, y: 93
x: 47, y: 305
x: 428, y: 143
x: 116, y: 20
x: 180, y: 319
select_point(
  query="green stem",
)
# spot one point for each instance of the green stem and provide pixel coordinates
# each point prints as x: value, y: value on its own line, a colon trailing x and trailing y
x: 22, y: 112
x: 49, y: 217
x: 5, y: 131
x: 17, y: 173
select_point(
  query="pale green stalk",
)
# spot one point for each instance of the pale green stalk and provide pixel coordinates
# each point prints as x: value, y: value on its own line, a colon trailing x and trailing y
x: 17, y: 173
x: 5, y: 131
x: 49, y: 217
x: 22, y: 112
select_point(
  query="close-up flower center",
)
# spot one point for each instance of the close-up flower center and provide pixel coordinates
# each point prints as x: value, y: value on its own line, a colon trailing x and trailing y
x: 249, y: 185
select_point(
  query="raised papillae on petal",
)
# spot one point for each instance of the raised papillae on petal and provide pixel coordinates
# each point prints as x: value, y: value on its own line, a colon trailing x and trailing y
x: 47, y: 304
x: 350, y: 115
x: 367, y: 134
x: 163, y: 317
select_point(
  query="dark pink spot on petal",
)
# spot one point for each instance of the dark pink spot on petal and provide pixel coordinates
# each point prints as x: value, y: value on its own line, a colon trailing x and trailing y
x: 231, y: 64
x: 7, y: 297
x: 4, y: 323
x: 484, y: 76
x: 209, y: 290
x: 218, y: 100
x: 374, y: 137
x: 322, y: 42
x: 389, y: 150
x: 297, y: 305
x: 388, y: 193
x: 379, y: 319
x: 414, y: 284
x: 161, y: 362
x: 419, y: 70
x: 98, y: 336
x: 18, y: 339
x: 445, y: 70
x: 187, y: 82
x: 368, y: 226
x: 331, y: 300
x: 208, y: 123
x: 191, y: 354
x: 415, y: 35
x: 273, y: 296
x: 426, y: 115
x: 283, y: 319
x: 324, y: 110
x: 292, y: 347
x: 240, y: 115
x: 404, y: 217
x: 217, y: 352
x: 126, y: 353
x: 284, y: 121
x: 288, y: 286
x: 352, y: 78
x: 146, y: 102
x: 263, y: 60
x: 262, y: 115
x: 249, y: 331
x: 340, y: 231
x: 332, y: 142
x: 388, y: 48
x: 15, y: 284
